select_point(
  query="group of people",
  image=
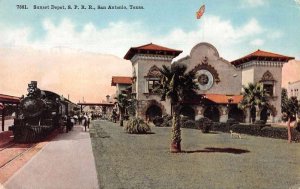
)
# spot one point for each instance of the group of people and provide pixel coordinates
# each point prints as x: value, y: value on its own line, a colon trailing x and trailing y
x: 84, y: 120
x: 70, y: 121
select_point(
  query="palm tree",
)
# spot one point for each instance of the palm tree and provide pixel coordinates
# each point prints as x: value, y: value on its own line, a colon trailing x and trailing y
x: 123, y: 103
x: 254, y: 96
x: 290, y: 108
x: 177, y: 85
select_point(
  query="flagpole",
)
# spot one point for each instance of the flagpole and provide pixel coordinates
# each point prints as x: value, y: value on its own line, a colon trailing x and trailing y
x: 199, y: 14
x: 203, y: 28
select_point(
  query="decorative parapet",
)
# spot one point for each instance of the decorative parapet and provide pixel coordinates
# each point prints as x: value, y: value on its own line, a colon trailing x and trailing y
x: 261, y: 63
x: 137, y: 57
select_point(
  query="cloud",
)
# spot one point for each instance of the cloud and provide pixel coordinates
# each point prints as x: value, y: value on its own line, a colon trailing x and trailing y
x: 73, y: 61
x: 253, y: 3
x: 226, y: 37
x: 274, y: 34
x: 14, y: 37
x: 257, y: 42
x: 118, y: 37
x: 66, y: 72
x: 297, y: 2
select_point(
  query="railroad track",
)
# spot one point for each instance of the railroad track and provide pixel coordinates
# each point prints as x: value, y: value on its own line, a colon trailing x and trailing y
x: 7, y: 145
x: 9, y: 149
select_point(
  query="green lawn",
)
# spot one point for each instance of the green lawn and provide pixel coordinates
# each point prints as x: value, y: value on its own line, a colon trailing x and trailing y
x: 210, y: 160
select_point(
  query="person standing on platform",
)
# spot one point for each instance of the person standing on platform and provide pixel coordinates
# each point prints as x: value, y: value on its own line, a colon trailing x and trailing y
x: 89, y: 120
x: 85, y: 121
x: 69, y: 124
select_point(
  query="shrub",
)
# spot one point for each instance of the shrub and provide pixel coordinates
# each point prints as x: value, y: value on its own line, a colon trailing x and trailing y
x: 274, y: 132
x: 204, y: 124
x: 260, y: 122
x: 189, y: 124
x: 251, y: 129
x: 136, y: 126
x: 167, y: 121
x: 232, y: 121
x: 157, y: 121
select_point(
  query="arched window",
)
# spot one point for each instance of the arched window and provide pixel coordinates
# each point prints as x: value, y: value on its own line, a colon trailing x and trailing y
x: 268, y: 82
x: 152, y: 79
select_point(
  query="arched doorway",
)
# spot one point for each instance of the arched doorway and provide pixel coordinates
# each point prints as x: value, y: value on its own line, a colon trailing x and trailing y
x: 264, y: 114
x: 152, y: 112
x: 267, y: 113
x: 212, y: 113
x: 188, y: 112
x: 236, y: 114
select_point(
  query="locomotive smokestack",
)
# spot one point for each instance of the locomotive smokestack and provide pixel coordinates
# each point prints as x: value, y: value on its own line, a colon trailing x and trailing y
x: 34, y: 83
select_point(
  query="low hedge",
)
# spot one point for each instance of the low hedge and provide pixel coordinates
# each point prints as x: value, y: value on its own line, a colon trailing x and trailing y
x: 189, y: 124
x: 258, y: 130
x: 204, y: 124
x: 167, y: 121
x: 254, y: 129
x: 157, y: 121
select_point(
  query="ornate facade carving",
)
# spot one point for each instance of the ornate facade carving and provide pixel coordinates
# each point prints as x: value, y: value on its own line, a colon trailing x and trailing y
x: 205, y: 66
x: 153, y: 72
x: 267, y: 76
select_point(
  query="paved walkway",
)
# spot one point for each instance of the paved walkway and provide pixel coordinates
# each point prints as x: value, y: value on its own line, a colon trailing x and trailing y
x: 67, y: 162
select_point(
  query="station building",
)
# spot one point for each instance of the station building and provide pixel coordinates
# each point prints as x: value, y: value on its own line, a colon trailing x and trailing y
x: 294, y: 89
x: 219, y: 80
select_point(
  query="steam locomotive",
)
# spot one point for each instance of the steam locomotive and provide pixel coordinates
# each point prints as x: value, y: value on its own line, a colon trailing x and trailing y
x: 39, y: 113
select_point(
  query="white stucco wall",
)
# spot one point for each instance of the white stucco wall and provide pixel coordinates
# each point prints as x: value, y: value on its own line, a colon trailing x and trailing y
x: 247, y: 76
x: 276, y: 71
x: 142, y: 65
x: 295, y: 86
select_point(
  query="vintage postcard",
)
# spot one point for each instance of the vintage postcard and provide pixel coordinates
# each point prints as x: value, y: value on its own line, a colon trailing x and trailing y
x: 149, y: 94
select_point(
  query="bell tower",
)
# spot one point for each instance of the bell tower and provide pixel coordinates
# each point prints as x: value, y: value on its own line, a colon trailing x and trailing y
x: 146, y: 61
x: 266, y: 68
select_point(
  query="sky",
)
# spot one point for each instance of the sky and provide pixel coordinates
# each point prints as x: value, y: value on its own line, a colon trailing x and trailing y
x: 76, y: 51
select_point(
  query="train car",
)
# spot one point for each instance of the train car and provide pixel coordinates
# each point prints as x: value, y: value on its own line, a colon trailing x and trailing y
x: 39, y: 113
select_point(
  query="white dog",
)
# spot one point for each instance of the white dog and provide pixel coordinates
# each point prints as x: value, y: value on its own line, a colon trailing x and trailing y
x: 232, y: 134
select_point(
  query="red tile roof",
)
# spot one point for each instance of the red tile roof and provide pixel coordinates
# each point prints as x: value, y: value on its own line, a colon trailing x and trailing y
x: 121, y: 80
x: 9, y: 99
x: 224, y: 99
x: 262, y: 55
x: 151, y: 49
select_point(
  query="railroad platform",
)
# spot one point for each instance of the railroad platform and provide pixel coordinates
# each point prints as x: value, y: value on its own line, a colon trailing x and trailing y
x: 65, y: 162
